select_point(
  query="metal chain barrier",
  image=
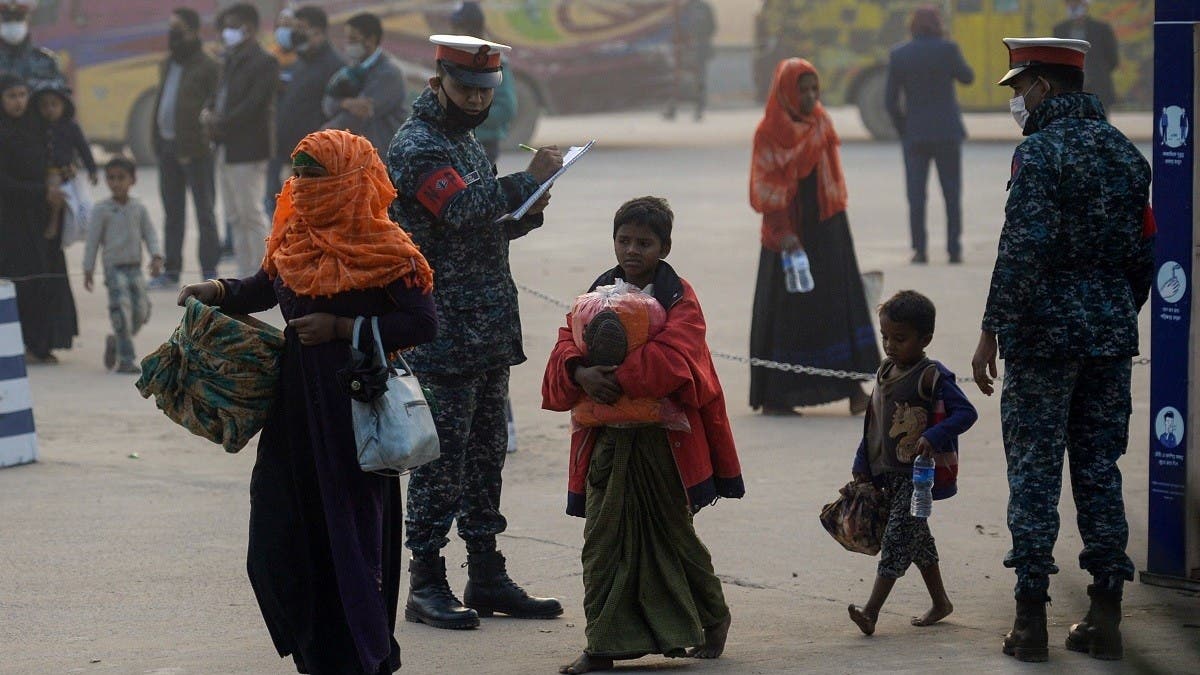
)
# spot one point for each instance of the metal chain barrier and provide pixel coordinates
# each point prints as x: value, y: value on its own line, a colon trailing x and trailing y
x: 776, y: 365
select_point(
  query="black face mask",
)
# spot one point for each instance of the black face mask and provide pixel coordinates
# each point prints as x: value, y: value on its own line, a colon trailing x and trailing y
x: 180, y: 46
x: 460, y: 120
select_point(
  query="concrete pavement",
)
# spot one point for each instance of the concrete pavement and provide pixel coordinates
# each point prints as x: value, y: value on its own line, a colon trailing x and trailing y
x: 110, y: 564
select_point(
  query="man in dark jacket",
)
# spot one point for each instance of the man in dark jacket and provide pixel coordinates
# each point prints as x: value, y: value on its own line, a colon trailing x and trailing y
x: 299, y: 112
x: 241, y: 123
x: 451, y: 202
x: 921, y: 101
x: 187, y: 79
x: 1104, y: 56
x: 367, y: 96
x: 1074, y: 266
x: 18, y: 55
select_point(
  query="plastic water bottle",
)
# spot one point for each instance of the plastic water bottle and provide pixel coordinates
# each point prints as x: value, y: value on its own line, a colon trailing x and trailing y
x: 797, y: 277
x: 922, y: 477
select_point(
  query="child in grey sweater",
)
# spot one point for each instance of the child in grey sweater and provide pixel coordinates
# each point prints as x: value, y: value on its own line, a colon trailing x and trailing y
x: 121, y: 225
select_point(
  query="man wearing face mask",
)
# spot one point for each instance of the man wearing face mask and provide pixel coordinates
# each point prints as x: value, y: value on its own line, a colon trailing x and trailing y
x: 1103, y: 57
x: 1075, y: 265
x: 241, y: 123
x: 368, y: 96
x: 187, y: 78
x: 35, y: 65
x: 299, y: 111
x: 450, y: 200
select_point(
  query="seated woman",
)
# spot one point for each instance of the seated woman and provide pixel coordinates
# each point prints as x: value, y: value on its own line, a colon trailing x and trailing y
x: 325, y: 546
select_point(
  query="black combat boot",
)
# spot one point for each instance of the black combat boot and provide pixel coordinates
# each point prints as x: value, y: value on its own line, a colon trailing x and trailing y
x: 1027, y: 641
x: 429, y: 598
x: 489, y: 590
x: 1099, y: 634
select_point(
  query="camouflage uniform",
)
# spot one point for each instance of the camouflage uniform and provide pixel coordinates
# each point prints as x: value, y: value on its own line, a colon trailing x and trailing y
x: 449, y: 199
x: 1075, y: 264
x: 35, y: 65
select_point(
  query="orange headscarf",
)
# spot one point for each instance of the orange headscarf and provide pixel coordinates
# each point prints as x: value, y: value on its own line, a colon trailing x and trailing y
x: 787, y: 148
x: 333, y: 234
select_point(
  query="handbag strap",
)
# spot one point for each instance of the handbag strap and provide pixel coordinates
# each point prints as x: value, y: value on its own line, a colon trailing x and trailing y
x: 358, y: 322
x: 379, y: 353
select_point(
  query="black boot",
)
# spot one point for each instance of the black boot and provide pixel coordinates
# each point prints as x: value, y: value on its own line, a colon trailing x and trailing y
x: 489, y: 590
x: 1099, y: 634
x: 1028, y: 639
x: 429, y: 598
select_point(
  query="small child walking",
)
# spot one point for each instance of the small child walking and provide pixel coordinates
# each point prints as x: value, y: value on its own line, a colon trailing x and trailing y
x: 67, y: 147
x: 121, y: 226
x: 902, y: 423
x: 649, y: 584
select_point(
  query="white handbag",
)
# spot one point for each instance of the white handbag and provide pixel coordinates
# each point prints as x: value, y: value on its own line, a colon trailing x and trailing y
x: 395, y: 432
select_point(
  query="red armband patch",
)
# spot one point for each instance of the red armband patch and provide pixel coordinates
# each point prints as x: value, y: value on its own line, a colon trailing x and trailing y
x: 438, y: 188
x: 1149, y: 225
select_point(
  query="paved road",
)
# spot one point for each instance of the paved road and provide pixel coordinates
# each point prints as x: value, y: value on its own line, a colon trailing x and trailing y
x: 118, y: 565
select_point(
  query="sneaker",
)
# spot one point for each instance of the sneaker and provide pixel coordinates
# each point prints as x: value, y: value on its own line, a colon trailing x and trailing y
x: 110, y: 352
x: 956, y: 258
x: 163, y: 282
x: 129, y: 367
x: 208, y: 274
x: 605, y: 339
x: 919, y: 258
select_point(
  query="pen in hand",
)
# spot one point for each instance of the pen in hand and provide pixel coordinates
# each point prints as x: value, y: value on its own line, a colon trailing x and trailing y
x: 526, y: 147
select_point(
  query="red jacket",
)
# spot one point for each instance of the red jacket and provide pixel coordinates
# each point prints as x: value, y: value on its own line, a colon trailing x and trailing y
x: 674, y: 364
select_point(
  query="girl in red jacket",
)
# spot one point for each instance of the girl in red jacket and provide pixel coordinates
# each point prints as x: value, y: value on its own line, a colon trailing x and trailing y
x: 649, y: 585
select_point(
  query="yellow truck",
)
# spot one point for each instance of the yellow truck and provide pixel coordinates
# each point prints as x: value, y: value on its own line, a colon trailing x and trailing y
x: 849, y: 42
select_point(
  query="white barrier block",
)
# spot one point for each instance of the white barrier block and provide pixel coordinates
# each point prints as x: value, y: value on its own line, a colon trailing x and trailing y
x: 18, y: 439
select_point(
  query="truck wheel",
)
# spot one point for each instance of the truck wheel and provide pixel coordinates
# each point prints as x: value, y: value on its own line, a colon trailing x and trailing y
x: 872, y: 109
x: 529, y: 109
x: 141, y: 130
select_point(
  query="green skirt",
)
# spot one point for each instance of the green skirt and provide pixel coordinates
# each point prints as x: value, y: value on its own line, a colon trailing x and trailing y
x: 649, y: 585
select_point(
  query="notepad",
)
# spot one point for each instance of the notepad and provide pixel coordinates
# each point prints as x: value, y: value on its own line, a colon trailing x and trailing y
x: 572, y: 154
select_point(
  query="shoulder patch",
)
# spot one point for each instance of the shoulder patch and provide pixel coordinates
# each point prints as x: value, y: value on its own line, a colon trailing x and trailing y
x: 1014, y: 169
x: 438, y: 187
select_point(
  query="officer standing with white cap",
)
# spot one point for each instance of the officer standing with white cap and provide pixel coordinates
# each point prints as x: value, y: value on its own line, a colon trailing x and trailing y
x: 1074, y: 266
x: 18, y: 56
x: 450, y: 200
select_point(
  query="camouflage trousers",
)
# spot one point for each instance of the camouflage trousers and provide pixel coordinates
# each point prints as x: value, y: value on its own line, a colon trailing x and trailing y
x: 463, y: 483
x: 1079, y: 407
x: 128, y: 306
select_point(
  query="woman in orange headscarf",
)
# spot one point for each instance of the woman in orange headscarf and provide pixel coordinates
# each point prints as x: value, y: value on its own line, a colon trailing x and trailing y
x: 796, y: 183
x: 325, y: 536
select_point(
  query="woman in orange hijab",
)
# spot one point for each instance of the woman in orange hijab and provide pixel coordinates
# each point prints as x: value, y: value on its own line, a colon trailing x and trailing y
x: 325, y: 546
x: 796, y: 183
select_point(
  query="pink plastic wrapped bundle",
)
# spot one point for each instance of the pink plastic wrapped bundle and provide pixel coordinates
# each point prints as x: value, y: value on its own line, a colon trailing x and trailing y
x: 640, y: 313
x: 642, y: 317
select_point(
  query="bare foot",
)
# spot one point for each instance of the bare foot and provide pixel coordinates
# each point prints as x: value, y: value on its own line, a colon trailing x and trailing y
x: 864, y: 621
x: 586, y: 663
x: 714, y: 641
x: 934, y: 615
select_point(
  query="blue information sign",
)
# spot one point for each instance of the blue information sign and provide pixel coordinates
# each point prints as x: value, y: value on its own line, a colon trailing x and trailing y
x: 1171, y: 299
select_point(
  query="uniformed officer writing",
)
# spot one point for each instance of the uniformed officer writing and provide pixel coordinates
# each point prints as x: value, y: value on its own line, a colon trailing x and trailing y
x: 450, y: 200
x: 1074, y: 267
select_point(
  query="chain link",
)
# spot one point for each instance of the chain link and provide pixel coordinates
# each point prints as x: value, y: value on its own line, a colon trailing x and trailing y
x: 777, y: 365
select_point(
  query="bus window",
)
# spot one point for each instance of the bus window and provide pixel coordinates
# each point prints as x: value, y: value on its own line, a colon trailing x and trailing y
x: 969, y: 6
x: 1006, y: 6
x: 45, y: 13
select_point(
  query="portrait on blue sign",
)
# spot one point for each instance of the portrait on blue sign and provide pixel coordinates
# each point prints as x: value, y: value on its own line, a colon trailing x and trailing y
x: 1169, y: 428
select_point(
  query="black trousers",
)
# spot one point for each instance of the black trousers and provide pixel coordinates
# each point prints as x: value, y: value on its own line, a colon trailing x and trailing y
x: 948, y: 158
x: 176, y: 177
